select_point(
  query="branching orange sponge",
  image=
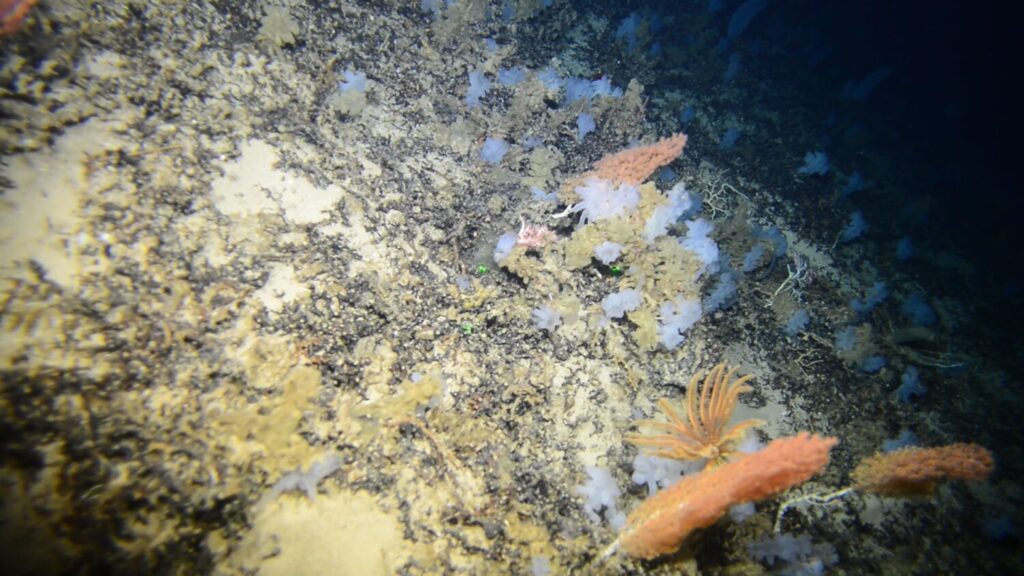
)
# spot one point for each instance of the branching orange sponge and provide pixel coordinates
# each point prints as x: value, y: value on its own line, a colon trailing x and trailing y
x: 664, y: 520
x: 12, y: 13
x: 634, y: 165
x: 915, y: 471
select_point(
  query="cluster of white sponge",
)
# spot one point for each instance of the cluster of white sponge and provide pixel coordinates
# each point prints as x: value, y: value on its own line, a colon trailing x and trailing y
x: 600, y: 200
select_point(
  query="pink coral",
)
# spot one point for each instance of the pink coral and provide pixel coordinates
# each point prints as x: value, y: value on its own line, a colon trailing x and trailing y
x: 533, y: 237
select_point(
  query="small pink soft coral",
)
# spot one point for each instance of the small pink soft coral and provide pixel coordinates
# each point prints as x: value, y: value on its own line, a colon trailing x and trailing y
x: 533, y: 237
